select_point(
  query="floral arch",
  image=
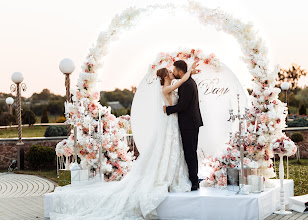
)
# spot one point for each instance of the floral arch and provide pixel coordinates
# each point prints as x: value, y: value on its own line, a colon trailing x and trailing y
x: 267, y: 110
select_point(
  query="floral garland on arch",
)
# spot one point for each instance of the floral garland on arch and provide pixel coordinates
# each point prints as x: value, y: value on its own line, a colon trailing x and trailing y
x: 167, y: 59
x: 267, y: 110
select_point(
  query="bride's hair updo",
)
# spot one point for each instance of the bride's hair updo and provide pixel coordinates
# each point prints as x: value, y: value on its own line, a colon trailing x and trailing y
x: 162, y: 73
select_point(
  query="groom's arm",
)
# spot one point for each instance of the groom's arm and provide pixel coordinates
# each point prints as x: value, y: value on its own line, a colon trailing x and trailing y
x: 185, y: 95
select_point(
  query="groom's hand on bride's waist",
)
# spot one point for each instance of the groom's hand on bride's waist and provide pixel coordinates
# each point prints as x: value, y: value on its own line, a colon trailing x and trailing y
x: 165, y: 109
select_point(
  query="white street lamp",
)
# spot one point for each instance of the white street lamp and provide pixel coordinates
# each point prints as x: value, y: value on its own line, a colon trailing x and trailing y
x: 67, y: 66
x: 17, y: 78
x: 285, y: 86
x: 9, y: 101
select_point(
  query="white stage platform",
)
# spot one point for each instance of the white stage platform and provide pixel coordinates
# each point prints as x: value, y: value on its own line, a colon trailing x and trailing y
x: 215, y: 204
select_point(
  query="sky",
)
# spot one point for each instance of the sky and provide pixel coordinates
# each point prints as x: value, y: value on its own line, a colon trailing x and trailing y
x: 37, y: 34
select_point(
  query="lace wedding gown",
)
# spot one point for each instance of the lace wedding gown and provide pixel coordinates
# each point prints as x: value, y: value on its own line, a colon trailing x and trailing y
x: 157, y: 171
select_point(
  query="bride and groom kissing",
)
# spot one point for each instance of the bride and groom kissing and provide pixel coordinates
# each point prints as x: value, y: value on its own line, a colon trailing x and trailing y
x: 168, y: 164
x: 188, y: 111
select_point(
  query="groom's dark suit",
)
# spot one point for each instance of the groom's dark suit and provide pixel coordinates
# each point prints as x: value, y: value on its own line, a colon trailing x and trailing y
x: 189, y: 122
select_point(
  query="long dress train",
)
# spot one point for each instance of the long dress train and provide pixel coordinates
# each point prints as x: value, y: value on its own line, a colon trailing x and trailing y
x: 158, y: 170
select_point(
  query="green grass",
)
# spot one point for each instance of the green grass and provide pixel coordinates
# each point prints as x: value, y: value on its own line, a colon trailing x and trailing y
x: 297, y: 172
x: 48, y: 174
x: 34, y: 131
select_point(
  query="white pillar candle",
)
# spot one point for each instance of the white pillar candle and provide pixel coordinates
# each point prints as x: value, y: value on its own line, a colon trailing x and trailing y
x: 256, y: 124
x: 100, y: 115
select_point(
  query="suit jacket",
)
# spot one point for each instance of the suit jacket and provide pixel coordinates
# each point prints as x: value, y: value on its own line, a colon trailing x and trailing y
x: 188, y: 110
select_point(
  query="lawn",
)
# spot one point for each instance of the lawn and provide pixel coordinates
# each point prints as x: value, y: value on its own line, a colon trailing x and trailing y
x: 48, y: 174
x: 299, y: 173
x: 34, y: 131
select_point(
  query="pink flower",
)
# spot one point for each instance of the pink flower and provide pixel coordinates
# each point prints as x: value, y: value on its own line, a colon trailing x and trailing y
x: 68, y: 151
x: 111, y: 117
x: 198, y: 51
x: 250, y: 149
x: 78, y: 95
x: 96, y: 95
x: 264, y: 118
x: 246, y: 161
x: 212, y: 55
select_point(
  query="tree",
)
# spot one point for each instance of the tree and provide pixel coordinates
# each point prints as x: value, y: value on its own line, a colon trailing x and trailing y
x: 44, y: 118
x: 302, y: 96
x: 56, y: 107
x: 7, y: 119
x: 297, y: 137
x: 292, y: 75
x: 125, y: 96
x: 302, y: 109
x: 28, y: 117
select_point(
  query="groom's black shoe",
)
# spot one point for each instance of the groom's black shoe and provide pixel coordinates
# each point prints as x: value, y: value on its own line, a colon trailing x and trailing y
x: 195, y: 187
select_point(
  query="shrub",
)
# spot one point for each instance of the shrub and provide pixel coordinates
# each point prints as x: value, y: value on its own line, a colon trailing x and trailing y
x: 55, y: 131
x: 61, y: 119
x: 7, y: 119
x: 299, y: 122
x: 28, y: 117
x: 297, y: 137
x: 302, y: 109
x: 44, y: 118
x: 40, y: 156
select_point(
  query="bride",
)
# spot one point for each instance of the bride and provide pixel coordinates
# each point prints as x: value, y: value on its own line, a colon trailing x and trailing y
x: 160, y: 168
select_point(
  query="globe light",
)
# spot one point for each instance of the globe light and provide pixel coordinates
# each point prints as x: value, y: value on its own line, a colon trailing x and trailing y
x: 285, y: 86
x: 17, y: 77
x: 66, y: 66
x: 9, y: 101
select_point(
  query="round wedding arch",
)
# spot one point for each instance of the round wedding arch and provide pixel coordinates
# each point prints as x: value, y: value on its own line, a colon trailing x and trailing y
x: 266, y: 109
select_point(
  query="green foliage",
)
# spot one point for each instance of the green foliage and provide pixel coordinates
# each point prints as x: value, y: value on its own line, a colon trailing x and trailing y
x: 299, y: 122
x: 56, y: 107
x: 44, y: 118
x: 120, y: 112
x: 38, y: 109
x: 61, y: 119
x: 302, y: 96
x: 7, y: 119
x: 46, y: 95
x: 125, y: 97
x: 55, y: 131
x: 28, y: 117
x: 292, y: 75
x: 40, y: 156
x: 297, y: 137
x: 302, y: 109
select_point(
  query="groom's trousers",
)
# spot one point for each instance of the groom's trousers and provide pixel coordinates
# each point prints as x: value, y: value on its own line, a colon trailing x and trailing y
x: 190, y: 144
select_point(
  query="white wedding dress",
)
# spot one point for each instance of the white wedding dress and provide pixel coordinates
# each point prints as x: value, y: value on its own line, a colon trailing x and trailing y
x: 160, y: 168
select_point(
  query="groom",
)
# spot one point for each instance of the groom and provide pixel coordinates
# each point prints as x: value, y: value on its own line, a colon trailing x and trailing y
x: 190, y: 120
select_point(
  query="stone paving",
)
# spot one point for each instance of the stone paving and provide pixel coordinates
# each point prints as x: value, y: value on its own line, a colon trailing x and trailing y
x: 21, y: 196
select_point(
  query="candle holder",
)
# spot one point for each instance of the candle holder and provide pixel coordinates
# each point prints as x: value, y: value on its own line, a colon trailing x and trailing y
x: 241, y: 138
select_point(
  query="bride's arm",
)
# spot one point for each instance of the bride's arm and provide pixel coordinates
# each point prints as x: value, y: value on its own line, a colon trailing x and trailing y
x: 186, y: 76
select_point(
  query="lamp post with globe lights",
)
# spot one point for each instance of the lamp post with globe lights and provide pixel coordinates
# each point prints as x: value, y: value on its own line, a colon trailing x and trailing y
x: 9, y: 101
x: 67, y: 66
x: 17, y: 78
x: 285, y: 86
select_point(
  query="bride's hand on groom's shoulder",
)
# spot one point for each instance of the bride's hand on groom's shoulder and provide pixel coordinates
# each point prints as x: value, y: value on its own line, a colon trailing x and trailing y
x: 165, y: 111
